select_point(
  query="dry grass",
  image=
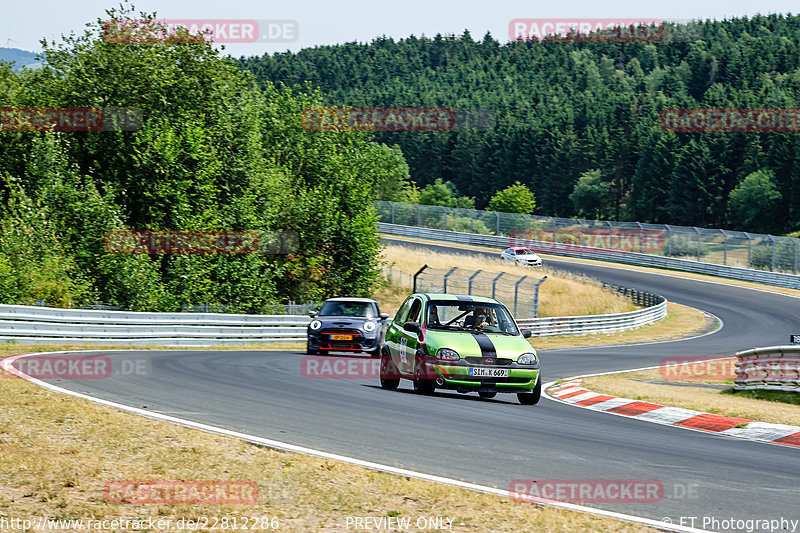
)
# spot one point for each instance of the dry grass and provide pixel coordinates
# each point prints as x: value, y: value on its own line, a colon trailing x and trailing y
x: 58, y: 452
x: 681, y: 321
x: 560, y: 295
x: 697, y: 398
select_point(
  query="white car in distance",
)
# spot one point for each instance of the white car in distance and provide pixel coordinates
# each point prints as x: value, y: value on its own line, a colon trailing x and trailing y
x: 521, y: 256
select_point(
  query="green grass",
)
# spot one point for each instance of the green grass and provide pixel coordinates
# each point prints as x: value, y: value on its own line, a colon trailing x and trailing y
x: 790, y: 397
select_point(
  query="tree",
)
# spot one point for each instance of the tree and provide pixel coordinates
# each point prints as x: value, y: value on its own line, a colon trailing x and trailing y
x: 444, y: 193
x: 754, y: 201
x: 516, y: 198
x: 592, y: 196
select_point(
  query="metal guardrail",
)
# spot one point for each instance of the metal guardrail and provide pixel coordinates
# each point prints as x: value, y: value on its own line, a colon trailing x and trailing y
x: 27, y: 324
x: 602, y: 254
x: 769, y: 368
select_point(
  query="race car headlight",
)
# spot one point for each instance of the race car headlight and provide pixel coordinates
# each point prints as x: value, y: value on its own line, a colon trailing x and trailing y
x: 369, y: 326
x: 447, y: 354
x: 316, y: 324
x: 527, y: 359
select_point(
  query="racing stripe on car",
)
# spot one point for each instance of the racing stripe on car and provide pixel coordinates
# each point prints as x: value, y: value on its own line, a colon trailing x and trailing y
x: 486, y: 345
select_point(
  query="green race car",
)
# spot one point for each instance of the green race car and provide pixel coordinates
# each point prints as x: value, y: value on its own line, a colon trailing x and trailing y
x: 462, y: 343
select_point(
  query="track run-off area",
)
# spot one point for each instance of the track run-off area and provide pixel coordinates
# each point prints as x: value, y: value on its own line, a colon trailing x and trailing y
x: 494, y: 442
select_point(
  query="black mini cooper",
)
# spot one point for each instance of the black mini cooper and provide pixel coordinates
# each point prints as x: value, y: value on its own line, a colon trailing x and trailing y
x: 346, y: 325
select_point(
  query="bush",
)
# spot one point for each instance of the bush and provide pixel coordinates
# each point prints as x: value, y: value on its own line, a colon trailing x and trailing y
x: 681, y: 245
x: 761, y: 256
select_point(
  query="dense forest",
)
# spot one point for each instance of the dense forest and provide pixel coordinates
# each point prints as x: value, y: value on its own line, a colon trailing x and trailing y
x: 212, y: 152
x: 578, y: 122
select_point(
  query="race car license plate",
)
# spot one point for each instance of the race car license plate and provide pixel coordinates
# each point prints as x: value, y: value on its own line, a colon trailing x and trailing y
x: 341, y: 337
x: 488, y: 372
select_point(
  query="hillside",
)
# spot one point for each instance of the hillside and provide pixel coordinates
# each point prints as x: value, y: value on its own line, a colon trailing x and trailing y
x: 570, y: 109
x: 21, y: 58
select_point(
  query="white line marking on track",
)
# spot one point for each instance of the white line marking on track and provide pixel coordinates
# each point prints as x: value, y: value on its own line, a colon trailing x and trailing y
x: 278, y: 445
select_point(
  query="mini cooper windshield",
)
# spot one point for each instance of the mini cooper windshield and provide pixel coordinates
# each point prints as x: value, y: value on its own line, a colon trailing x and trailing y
x: 458, y: 316
x: 344, y: 308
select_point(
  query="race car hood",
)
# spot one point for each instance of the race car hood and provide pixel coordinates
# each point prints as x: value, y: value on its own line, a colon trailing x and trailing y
x: 469, y: 344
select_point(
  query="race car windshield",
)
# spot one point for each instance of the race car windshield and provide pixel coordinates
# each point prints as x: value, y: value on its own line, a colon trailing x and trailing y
x: 359, y: 309
x: 460, y: 316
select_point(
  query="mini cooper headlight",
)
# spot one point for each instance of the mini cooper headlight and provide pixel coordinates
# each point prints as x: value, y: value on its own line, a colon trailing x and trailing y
x: 527, y: 359
x: 447, y: 354
x: 316, y: 324
x: 369, y: 326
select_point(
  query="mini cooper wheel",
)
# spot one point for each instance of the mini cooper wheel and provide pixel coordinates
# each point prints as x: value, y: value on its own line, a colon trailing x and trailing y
x: 487, y: 394
x: 311, y: 351
x: 389, y: 373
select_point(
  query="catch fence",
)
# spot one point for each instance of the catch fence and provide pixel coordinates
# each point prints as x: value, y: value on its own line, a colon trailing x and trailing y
x: 715, y: 246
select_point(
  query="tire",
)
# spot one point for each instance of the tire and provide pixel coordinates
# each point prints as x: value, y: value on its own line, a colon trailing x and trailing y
x: 388, y: 371
x: 310, y: 351
x: 375, y: 353
x: 422, y: 385
x: 532, y: 399
x: 487, y: 395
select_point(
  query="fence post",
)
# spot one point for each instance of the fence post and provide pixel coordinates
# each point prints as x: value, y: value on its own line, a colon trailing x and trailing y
x: 641, y: 238
x: 536, y: 298
x: 392, y: 211
x: 698, y: 243
x: 516, y: 292
x: 444, y: 210
x: 610, y: 235
x: 774, y: 249
x: 444, y: 283
x: 580, y: 233
x: 749, y: 248
x: 469, y: 285
x: 496, y: 214
x: 418, y: 217
x: 417, y: 274
x: 472, y: 221
x: 669, y: 240
x: 796, y: 250
x: 494, y: 282
x: 724, y: 248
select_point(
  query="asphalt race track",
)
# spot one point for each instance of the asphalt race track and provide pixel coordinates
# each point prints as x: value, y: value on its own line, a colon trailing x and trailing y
x: 493, y: 442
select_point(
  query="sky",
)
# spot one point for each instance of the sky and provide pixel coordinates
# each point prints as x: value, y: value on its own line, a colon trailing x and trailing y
x: 311, y: 23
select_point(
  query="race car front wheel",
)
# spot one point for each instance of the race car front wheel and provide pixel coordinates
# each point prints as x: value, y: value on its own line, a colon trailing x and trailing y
x: 389, y: 374
x: 532, y: 399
